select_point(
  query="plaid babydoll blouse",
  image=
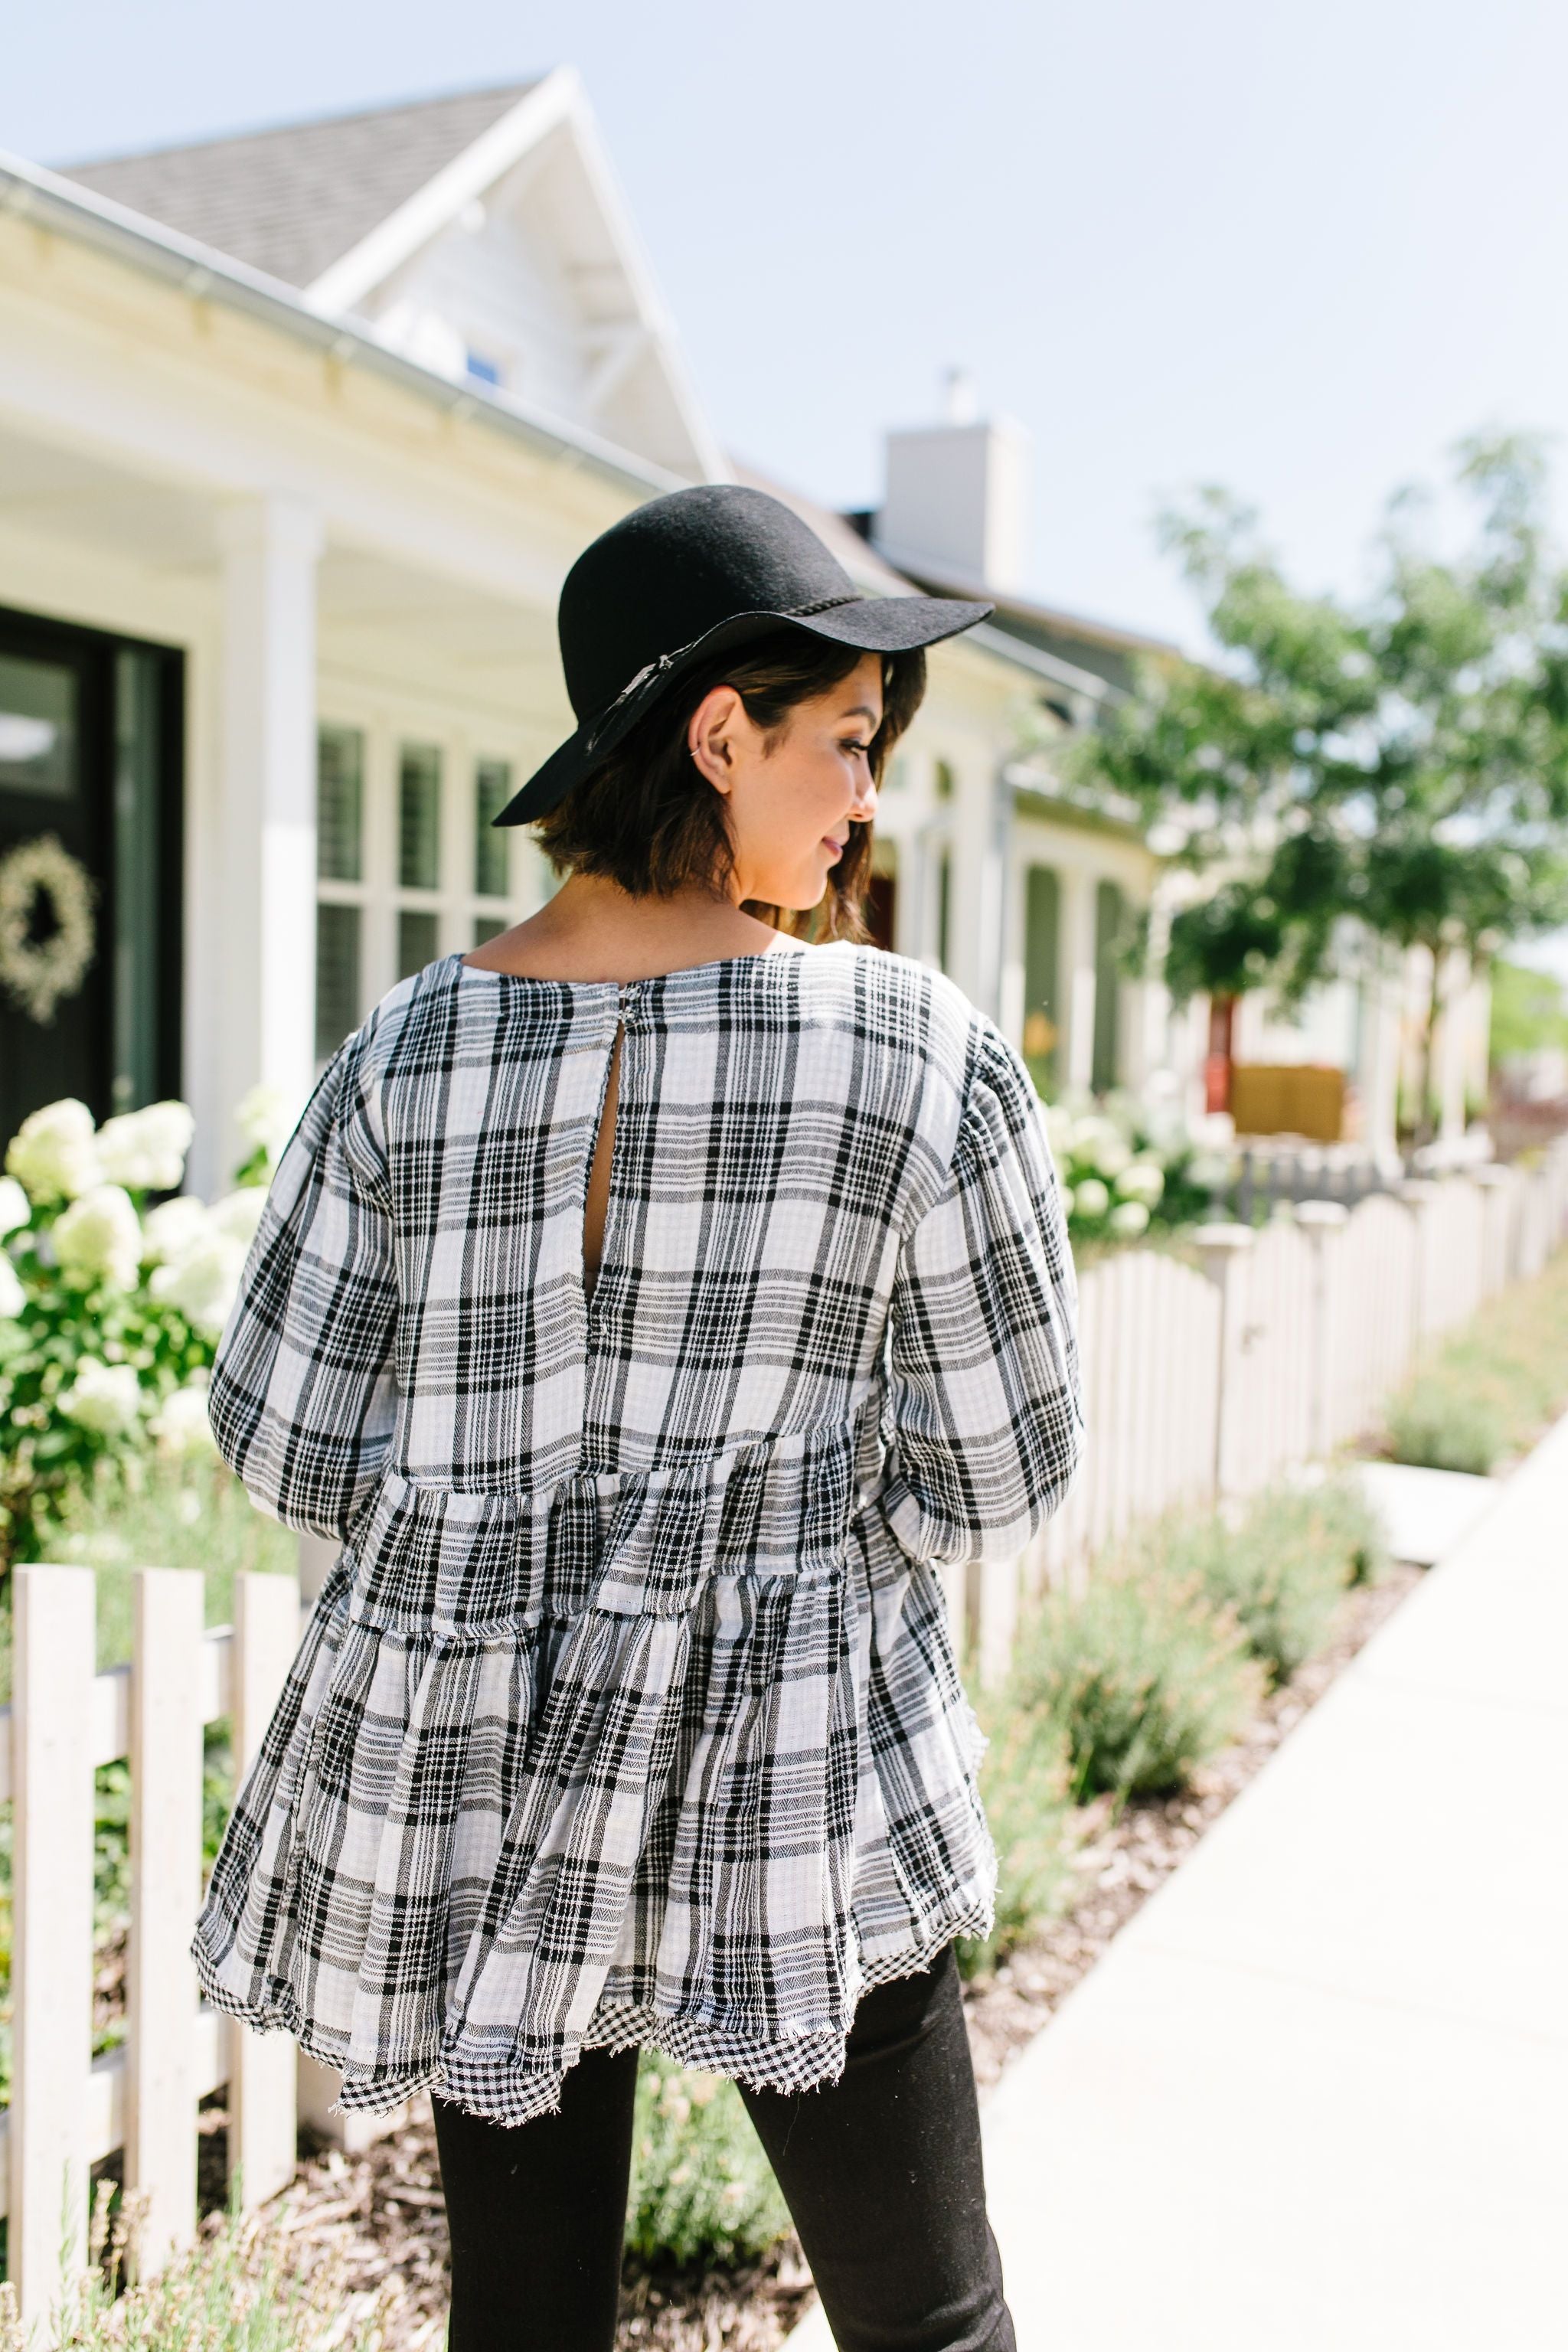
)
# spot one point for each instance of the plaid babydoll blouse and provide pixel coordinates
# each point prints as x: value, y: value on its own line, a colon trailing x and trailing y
x: 628, y: 1712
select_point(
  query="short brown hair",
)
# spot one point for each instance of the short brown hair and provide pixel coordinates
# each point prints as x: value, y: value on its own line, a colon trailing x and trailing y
x: 648, y: 819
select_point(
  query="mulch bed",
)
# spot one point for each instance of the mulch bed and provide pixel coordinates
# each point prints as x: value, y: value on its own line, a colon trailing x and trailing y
x: 379, y: 2217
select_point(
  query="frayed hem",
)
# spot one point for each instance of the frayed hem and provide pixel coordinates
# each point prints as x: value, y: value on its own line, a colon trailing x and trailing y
x: 810, y: 2062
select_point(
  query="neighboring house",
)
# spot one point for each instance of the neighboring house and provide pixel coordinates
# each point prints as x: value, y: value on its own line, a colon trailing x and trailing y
x: 299, y: 433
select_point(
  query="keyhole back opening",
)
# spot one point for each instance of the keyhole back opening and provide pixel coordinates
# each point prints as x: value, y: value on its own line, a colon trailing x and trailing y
x: 598, y: 1194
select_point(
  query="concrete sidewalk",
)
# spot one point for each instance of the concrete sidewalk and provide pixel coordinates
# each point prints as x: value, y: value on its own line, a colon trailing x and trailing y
x: 1315, y: 2098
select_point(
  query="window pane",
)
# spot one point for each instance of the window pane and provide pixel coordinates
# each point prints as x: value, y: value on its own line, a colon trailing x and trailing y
x: 37, y: 727
x: 340, y: 803
x: 492, y: 790
x: 943, y: 909
x: 419, y: 817
x: 337, y: 977
x: 489, y: 927
x: 416, y: 941
x: 942, y: 781
x: 138, y: 767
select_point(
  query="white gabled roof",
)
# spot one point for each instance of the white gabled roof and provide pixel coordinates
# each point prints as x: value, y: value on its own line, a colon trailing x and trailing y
x: 338, y: 207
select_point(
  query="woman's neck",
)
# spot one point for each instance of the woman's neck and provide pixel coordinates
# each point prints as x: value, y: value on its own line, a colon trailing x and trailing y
x: 592, y: 930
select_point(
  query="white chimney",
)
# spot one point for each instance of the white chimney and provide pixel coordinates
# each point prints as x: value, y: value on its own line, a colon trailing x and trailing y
x: 957, y: 496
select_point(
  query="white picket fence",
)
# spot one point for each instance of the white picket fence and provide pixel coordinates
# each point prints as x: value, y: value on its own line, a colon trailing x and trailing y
x: 1283, y: 1348
x: 1196, y: 1382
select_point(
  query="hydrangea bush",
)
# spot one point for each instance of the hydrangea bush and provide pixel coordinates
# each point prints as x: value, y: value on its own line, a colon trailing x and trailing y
x: 110, y: 1306
x: 1127, y: 1169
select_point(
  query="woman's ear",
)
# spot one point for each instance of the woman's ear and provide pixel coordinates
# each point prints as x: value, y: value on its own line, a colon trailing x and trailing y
x: 711, y: 735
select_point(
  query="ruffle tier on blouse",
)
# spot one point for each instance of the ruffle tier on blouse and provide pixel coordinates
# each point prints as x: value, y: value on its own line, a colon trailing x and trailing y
x: 676, y: 1758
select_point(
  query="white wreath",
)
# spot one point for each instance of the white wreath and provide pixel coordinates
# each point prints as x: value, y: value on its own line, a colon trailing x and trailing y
x: 38, y: 972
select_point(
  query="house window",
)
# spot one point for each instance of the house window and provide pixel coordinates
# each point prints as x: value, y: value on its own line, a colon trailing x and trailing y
x: 942, y: 781
x: 492, y: 790
x: 944, y: 908
x: 410, y: 865
x: 1042, y: 1000
x: 419, y: 817
x: 340, y: 893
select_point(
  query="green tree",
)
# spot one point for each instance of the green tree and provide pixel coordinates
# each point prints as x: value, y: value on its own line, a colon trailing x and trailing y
x: 1402, y: 760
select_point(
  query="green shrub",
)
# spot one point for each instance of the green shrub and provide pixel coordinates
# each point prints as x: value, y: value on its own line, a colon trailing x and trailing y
x: 239, y: 2289
x: 1490, y: 1389
x: 159, y: 1514
x: 702, y: 2191
x: 1437, y: 1423
x: 1142, y: 1674
x: 1025, y: 1782
x: 1283, y: 1570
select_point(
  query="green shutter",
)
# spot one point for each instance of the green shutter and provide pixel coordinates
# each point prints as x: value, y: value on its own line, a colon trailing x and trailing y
x: 1042, y: 967
x: 1110, y: 913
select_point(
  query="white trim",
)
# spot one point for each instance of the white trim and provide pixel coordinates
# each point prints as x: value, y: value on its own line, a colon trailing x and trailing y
x: 556, y: 102
x: 431, y: 209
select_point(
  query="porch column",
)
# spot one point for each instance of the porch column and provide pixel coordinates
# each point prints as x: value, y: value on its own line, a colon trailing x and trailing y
x: 268, y: 964
x: 1079, y: 963
x: 1377, y: 1074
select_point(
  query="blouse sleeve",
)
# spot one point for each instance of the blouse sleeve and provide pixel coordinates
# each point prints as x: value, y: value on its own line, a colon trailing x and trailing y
x: 303, y: 1392
x: 984, y: 1414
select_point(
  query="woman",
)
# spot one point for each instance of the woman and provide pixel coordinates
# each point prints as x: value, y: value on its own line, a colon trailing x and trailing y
x: 652, y: 1303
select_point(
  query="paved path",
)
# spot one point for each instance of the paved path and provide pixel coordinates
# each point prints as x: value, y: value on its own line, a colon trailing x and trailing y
x: 1315, y: 2098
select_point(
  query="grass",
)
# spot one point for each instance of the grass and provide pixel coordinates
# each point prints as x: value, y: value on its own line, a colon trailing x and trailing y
x: 238, y: 2289
x: 1488, y: 1390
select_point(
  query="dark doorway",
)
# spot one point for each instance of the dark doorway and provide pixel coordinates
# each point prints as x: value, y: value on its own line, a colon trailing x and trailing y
x: 90, y: 765
x: 881, y: 907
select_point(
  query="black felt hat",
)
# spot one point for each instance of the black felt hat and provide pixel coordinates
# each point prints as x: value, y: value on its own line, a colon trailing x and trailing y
x: 691, y: 575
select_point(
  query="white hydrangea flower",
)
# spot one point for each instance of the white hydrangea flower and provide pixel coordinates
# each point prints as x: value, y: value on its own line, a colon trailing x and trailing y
x: 239, y: 1212
x: 202, y: 1284
x: 13, y: 1297
x: 53, y: 1152
x: 1209, y: 1170
x: 1068, y: 1200
x: 1129, y: 1219
x: 1058, y: 1130
x: 16, y: 1208
x: 1091, y: 1198
x: 1143, y: 1180
x: 265, y: 1119
x: 100, y: 1235
x: 171, y: 1229
x: 1087, y: 1136
x: 103, y: 1397
x: 181, y: 1425
x: 145, y: 1150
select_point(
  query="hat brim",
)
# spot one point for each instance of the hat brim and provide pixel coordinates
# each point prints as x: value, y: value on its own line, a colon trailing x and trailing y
x: 871, y: 625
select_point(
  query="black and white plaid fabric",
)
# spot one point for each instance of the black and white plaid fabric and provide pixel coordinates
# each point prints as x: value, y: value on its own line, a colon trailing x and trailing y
x: 628, y: 1712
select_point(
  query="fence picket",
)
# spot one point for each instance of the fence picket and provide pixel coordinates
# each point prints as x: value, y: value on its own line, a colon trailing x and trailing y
x: 51, y: 1955
x: 261, y: 2067
x: 166, y: 1742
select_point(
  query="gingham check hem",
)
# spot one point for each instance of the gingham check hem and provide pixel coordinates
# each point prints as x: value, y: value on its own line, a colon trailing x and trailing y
x: 629, y: 1711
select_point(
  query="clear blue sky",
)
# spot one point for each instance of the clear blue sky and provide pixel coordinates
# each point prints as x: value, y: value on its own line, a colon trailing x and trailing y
x: 1299, y: 250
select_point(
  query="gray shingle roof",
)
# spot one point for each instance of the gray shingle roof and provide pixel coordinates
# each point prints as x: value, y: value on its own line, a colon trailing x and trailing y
x: 293, y: 200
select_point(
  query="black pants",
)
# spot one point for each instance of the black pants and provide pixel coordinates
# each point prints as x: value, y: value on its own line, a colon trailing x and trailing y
x: 881, y: 2170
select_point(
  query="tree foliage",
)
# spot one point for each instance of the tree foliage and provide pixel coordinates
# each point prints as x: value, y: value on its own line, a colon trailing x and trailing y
x: 1401, y: 760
